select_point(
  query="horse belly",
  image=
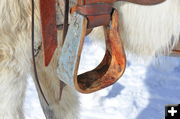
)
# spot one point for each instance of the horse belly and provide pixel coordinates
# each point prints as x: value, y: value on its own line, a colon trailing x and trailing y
x: 150, y: 30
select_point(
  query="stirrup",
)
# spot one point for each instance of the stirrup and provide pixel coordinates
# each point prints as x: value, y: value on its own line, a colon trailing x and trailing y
x: 48, y: 21
x: 109, y: 70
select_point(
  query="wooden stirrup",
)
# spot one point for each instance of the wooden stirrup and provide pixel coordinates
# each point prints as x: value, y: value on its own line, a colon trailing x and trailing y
x: 109, y: 70
x: 48, y: 21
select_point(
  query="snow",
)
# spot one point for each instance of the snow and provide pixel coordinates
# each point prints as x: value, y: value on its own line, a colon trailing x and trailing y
x: 141, y: 93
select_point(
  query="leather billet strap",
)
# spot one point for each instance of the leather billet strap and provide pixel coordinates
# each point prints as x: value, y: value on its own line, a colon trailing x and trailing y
x: 49, y: 28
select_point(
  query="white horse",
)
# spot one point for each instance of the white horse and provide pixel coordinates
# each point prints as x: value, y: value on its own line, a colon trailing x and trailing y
x: 145, y: 30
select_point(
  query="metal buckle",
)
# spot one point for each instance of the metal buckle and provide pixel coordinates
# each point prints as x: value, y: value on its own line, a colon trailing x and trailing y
x: 109, y: 70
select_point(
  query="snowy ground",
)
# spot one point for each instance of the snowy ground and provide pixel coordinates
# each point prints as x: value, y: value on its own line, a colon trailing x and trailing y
x: 141, y: 93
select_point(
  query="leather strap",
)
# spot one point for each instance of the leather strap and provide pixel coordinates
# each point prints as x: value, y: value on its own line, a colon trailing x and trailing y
x: 97, y: 14
x: 49, y: 33
x: 49, y: 28
x: 65, y: 25
x: 142, y: 2
x: 38, y: 86
x: 176, y: 51
x: 93, y: 9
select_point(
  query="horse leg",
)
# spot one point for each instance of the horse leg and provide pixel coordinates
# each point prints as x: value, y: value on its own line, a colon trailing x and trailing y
x: 13, y: 74
x: 65, y: 106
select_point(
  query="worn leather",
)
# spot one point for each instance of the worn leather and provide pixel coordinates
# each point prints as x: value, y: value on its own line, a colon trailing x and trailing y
x: 49, y: 28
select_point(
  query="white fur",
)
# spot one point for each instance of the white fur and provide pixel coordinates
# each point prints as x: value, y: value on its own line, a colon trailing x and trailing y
x: 145, y: 30
x: 15, y: 61
x: 14, y: 55
x: 150, y: 30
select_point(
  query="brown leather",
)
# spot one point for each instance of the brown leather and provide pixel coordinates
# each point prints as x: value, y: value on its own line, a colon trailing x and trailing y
x: 176, y: 50
x: 142, y: 2
x: 93, y: 9
x: 49, y: 28
x: 113, y: 64
x: 95, y: 21
x: 97, y: 14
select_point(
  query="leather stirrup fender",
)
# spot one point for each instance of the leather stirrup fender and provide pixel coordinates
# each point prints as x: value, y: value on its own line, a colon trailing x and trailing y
x: 109, y: 70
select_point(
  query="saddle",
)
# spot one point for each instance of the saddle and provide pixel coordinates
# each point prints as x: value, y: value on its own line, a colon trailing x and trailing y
x: 87, y: 14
